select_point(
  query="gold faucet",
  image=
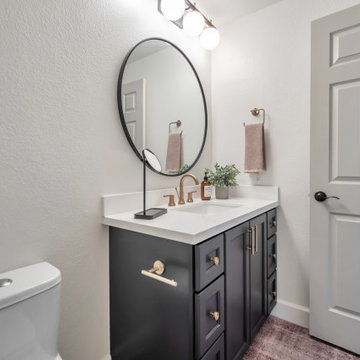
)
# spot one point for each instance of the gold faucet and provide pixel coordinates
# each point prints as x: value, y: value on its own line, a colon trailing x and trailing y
x: 181, y: 196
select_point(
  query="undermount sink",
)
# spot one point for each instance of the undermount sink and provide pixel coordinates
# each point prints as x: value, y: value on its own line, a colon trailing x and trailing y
x: 208, y: 209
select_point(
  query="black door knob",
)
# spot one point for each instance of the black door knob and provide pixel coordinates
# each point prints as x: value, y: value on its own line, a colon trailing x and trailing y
x: 321, y: 196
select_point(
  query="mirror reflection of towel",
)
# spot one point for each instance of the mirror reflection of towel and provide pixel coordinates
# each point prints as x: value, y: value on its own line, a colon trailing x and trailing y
x: 254, y: 148
x: 174, y: 157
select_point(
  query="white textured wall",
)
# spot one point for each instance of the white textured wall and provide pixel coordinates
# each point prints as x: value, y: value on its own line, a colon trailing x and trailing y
x: 62, y: 145
x: 264, y: 60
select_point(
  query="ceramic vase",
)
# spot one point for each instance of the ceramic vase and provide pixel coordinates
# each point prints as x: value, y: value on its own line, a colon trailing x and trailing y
x: 222, y: 192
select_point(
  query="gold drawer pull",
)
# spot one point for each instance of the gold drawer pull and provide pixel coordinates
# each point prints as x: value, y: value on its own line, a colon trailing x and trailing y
x: 215, y: 260
x: 274, y: 256
x: 274, y: 294
x: 274, y: 222
x: 157, y: 269
x: 215, y: 315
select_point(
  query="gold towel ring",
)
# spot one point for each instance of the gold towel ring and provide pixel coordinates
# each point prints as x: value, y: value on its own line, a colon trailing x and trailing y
x: 178, y: 124
x: 256, y: 112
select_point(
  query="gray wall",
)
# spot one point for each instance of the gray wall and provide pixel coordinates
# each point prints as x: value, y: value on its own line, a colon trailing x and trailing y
x: 62, y: 145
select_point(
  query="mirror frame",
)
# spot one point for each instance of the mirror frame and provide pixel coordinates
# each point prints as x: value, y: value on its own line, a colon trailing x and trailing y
x: 148, y: 162
x: 122, y: 117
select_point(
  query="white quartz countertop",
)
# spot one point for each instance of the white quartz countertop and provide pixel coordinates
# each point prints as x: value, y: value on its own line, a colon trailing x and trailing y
x: 191, y: 227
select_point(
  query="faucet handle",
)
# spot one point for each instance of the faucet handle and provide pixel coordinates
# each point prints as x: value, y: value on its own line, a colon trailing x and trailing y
x: 171, y: 199
x: 190, y: 198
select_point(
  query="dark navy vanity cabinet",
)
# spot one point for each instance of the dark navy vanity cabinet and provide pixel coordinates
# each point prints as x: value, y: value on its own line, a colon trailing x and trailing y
x: 226, y: 288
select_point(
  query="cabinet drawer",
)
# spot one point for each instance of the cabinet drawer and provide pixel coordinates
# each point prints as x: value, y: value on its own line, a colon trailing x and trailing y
x: 272, y: 292
x: 209, y: 261
x: 217, y: 351
x: 271, y: 222
x: 209, y: 316
x: 271, y: 255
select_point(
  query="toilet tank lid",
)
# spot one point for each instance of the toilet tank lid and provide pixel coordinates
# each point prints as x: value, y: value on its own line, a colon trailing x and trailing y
x: 28, y: 281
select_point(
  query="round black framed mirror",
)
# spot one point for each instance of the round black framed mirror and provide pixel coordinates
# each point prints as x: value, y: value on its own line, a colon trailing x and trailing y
x: 162, y: 105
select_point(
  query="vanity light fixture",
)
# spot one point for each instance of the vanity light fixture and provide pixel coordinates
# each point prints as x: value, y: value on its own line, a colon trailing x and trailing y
x: 210, y: 38
x: 172, y: 9
x: 193, y: 23
x: 186, y: 16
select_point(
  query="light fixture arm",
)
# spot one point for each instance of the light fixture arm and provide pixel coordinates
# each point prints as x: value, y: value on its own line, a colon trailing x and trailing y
x: 194, y: 8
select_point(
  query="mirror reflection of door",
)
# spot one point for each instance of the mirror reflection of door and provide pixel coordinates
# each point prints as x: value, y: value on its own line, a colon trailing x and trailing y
x: 133, y: 102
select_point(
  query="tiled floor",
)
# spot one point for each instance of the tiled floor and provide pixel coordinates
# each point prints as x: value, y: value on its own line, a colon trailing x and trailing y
x: 281, y: 340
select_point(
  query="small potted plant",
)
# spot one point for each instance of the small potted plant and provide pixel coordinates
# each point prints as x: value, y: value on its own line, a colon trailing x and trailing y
x: 222, y: 178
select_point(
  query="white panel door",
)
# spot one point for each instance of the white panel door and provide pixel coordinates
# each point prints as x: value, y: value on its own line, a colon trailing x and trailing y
x: 335, y: 170
x: 133, y: 104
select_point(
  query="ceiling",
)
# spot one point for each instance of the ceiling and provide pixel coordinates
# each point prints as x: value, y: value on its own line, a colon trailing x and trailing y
x: 223, y: 11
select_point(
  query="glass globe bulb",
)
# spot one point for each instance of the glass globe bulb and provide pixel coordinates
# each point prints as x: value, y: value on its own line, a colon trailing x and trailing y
x: 210, y: 38
x: 172, y: 9
x: 193, y: 23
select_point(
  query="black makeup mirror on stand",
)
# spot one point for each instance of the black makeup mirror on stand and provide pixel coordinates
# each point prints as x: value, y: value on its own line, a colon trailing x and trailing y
x: 150, y: 159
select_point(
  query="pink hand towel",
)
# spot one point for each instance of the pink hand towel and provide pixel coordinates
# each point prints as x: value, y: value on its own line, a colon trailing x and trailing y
x: 254, y: 148
x: 174, y: 158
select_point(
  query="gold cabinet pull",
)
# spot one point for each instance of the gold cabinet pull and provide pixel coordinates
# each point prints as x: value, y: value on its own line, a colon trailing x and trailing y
x: 256, y: 238
x: 155, y: 272
x: 215, y: 315
x: 274, y: 294
x: 274, y: 256
x: 274, y: 222
x: 215, y: 260
x: 252, y: 247
x: 252, y: 241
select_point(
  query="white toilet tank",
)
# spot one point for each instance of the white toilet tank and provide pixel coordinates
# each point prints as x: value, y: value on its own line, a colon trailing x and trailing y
x: 29, y: 313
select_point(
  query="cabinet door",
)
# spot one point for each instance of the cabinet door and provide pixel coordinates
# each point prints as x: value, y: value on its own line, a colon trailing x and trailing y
x: 258, y: 274
x: 236, y: 265
x: 209, y: 261
x: 216, y: 352
x: 271, y: 255
x: 271, y: 222
x: 209, y: 315
x: 150, y: 319
x: 271, y: 293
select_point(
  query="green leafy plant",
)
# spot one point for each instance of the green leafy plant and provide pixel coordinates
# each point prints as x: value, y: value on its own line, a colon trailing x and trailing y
x: 183, y: 169
x: 223, y: 175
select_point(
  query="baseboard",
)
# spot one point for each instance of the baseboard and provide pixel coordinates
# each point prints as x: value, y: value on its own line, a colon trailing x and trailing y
x: 291, y: 312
